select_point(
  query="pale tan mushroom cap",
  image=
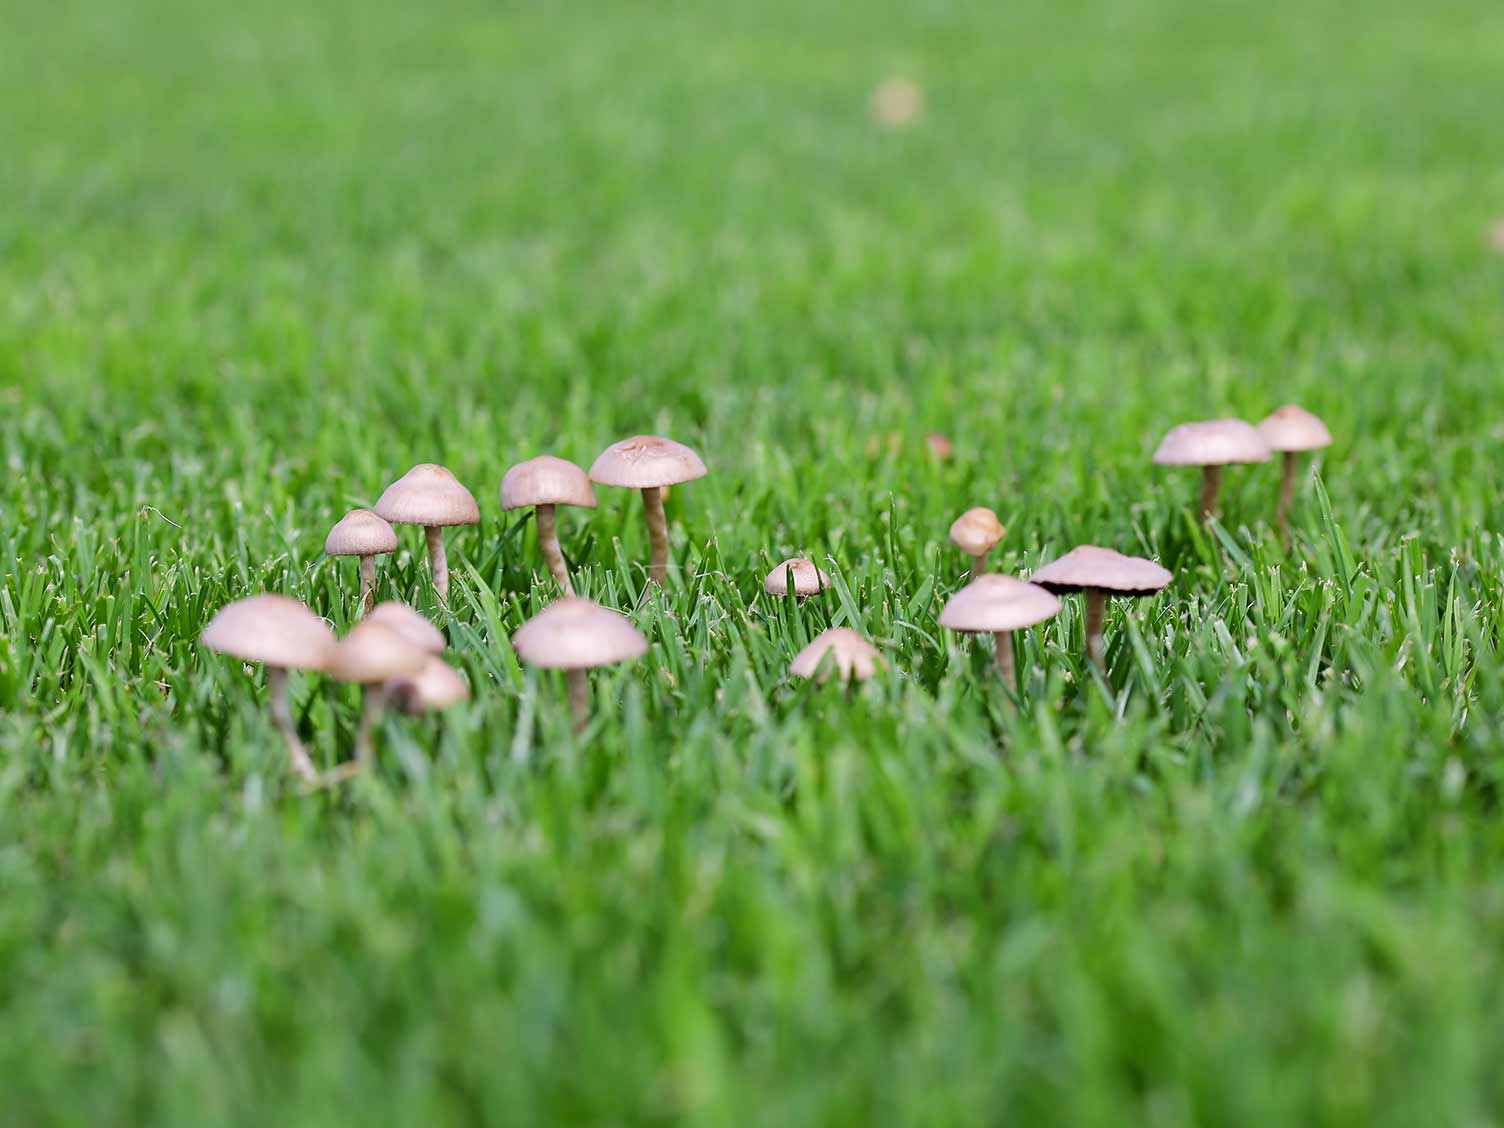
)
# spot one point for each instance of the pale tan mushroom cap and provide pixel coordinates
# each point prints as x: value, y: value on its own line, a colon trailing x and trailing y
x: 271, y: 629
x: 361, y: 532
x: 1089, y: 567
x: 410, y: 625
x: 1292, y: 428
x: 546, y: 480
x: 808, y: 579
x: 428, y: 495
x: 977, y: 531
x: 373, y: 653
x: 840, y: 650
x: 437, y: 685
x: 574, y: 633
x: 998, y: 603
x: 644, y: 461
x: 1217, y: 442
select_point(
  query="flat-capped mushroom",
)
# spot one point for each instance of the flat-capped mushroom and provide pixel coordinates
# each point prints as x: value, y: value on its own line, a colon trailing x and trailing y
x: 976, y: 533
x: 798, y: 575
x: 430, y: 496
x: 841, y: 651
x: 410, y: 625
x: 282, y: 634
x: 543, y: 483
x: 373, y: 654
x: 1100, y: 572
x: 574, y: 635
x: 1211, y: 446
x: 437, y: 685
x: 649, y: 463
x: 999, y: 605
x: 1292, y: 430
x: 362, y: 533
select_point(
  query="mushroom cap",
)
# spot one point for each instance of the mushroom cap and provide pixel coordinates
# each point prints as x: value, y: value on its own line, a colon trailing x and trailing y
x: 428, y: 495
x: 374, y: 652
x: 1089, y: 567
x: 840, y: 650
x: 976, y: 531
x: 644, y: 461
x: 1292, y: 428
x: 271, y: 629
x: 998, y: 603
x: 1217, y: 442
x: 574, y: 633
x: 808, y: 579
x: 361, y: 532
x: 412, y: 626
x: 546, y: 480
x: 437, y: 685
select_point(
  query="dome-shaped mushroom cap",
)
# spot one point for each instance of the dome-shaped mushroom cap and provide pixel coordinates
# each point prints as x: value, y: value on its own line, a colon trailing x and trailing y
x: 808, y: 579
x: 998, y: 603
x: 437, y: 685
x: 574, y: 633
x: 1091, y: 567
x: 428, y: 495
x: 546, y: 480
x: 410, y: 625
x: 271, y: 629
x: 644, y: 461
x: 360, y: 532
x: 373, y: 653
x: 840, y: 650
x: 1217, y: 442
x: 977, y: 531
x: 1292, y: 428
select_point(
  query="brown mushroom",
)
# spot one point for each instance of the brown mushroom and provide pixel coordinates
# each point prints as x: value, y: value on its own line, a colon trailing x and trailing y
x: 437, y: 685
x: 649, y: 463
x: 1211, y: 446
x: 430, y: 496
x: 362, y: 533
x: 841, y: 651
x: 1290, y: 430
x: 574, y: 635
x: 1100, y: 572
x: 999, y: 605
x: 976, y: 533
x: 372, y: 654
x: 543, y: 483
x: 798, y: 575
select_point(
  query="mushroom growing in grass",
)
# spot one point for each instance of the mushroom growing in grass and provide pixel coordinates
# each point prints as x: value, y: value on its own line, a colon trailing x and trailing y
x: 841, y: 651
x: 999, y: 605
x: 797, y: 575
x: 410, y: 625
x: 649, y: 464
x: 362, y: 533
x: 1211, y: 446
x: 437, y: 685
x: 1291, y: 430
x: 574, y: 635
x: 1100, y: 572
x: 430, y: 496
x: 543, y: 483
x: 282, y: 635
x: 372, y: 654
x: 976, y: 533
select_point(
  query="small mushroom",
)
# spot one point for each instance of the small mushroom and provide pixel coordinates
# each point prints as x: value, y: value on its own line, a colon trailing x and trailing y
x: 1000, y: 605
x: 840, y: 650
x: 437, y: 685
x: 372, y: 654
x: 939, y: 445
x: 1291, y: 430
x: 543, y: 483
x: 976, y: 533
x: 410, y: 625
x: 1100, y: 572
x: 648, y: 463
x: 1211, y: 446
x: 282, y: 634
x: 430, y: 496
x: 796, y: 574
x: 574, y: 635
x: 362, y: 533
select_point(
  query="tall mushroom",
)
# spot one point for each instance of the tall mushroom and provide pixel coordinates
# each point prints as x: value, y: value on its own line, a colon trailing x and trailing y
x: 362, y: 533
x: 437, y: 685
x: 976, y: 533
x: 1291, y: 430
x: 841, y: 651
x: 282, y: 634
x: 372, y: 654
x: 1211, y: 446
x: 798, y: 575
x: 649, y: 463
x: 1100, y: 572
x: 1000, y: 605
x: 543, y: 483
x: 574, y: 635
x: 430, y: 496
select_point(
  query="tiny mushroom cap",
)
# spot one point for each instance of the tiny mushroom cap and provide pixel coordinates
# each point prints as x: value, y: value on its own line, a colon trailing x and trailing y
x: 1091, y: 568
x: 1217, y: 442
x: 546, y: 480
x: 574, y: 633
x: 998, y: 603
x: 977, y: 531
x: 808, y: 579
x: 412, y: 626
x: 842, y: 650
x: 373, y: 653
x: 271, y: 629
x: 361, y: 532
x: 1291, y: 428
x: 645, y: 461
x: 428, y: 495
x: 437, y: 685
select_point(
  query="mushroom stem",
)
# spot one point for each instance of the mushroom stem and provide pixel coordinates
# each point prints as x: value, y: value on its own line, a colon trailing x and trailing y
x: 367, y: 583
x: 1286, y: 496
x: 548, y: 541
x: 1096, y: 610
x: 579, y: 697
x: 978, y: 564
x: 281, y: 702
x: 438, y: 560
x: 1004, y: 656
x: 372, y: 702
x: 1211, y: 486
x: 652, y: 508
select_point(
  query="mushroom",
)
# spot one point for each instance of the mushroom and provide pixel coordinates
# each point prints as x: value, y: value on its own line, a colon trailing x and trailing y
x: 999, y: 604
x: 362, y: 533
x: 648, y: 463
x: 1291, y: 430
x: 976, y: 533
x: 545, y: 482
x: 939, y: 445
x: 372, y: 654
x: 410, y: 625
x: 798, y: 575
x: 574, y: 635
x: 1100, y: 572
x: 430, y: 496
x: 282, y: 634
x: 437, y: 685
x: 1211, y: 446
x: 842, y: 650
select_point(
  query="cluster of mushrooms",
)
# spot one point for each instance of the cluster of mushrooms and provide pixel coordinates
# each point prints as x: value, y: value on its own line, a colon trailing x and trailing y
x: 396, y: 654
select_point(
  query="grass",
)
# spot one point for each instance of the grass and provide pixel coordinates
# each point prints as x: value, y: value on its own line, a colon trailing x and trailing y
x: 257, y: 260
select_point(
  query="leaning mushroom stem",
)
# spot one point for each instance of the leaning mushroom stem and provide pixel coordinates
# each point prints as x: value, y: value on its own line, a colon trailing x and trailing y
x: 368, y: 583
x: 276, y: 688
x: 372, y: 702
x: 1211, y: 486
x: 1286, y: 496
x: 1004, y: 653
x: 1096, y: 609
x: 579, y: 698
x: 438, y: 560
x: 548, y: 541
x: 652, y: 508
